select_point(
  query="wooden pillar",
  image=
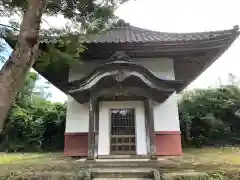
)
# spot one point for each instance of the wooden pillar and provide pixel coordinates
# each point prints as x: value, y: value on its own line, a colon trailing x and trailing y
x: 96, y: 122
x: 91, y: 138
x: 150, y: 132
x: 147, y: 127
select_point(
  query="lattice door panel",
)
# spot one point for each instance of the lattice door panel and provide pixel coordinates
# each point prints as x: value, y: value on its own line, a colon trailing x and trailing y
x: 123, y: 131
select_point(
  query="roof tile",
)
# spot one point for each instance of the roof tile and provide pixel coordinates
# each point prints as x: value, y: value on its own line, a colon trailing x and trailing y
x: 135, y: 34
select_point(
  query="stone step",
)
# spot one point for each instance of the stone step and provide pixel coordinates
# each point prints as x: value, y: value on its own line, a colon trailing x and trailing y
x: 121, y: 173
x: 122, y: 179
x: 122, y: 160
x: 118, y: 163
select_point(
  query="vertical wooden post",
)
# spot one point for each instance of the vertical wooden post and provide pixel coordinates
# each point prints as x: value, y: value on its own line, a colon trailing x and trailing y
x: 150, y: 119
x: 91, y: 138
x: 96, y: 128
x: 147, y: 127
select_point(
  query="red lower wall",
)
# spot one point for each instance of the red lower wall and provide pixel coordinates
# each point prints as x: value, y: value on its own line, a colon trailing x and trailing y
x: 76, y: 144
x: 168, y: 143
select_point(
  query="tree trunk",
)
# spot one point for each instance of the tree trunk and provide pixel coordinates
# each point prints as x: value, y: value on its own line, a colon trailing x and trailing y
x: 186, y: 132
x: 14, y: 71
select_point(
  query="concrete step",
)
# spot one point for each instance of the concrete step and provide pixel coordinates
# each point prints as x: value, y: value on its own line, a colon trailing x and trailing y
x: 121, y: 173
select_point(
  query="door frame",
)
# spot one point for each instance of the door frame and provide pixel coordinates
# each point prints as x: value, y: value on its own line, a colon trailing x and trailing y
x: 104, y: 119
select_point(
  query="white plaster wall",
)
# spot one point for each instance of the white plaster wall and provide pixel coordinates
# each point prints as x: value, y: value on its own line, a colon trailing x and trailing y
x: 104, y: 125
x: 166, y: 116
x: 77, y: 118
x: 161, y: 67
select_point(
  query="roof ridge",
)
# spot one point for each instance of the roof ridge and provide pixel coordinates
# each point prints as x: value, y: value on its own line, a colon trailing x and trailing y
x: 235, y: 28
x: 144, y: 30
x: 136, y: 34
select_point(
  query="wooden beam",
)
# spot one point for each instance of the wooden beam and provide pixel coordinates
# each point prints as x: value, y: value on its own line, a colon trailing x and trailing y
x: 91, y: 138
x: 150, y: 119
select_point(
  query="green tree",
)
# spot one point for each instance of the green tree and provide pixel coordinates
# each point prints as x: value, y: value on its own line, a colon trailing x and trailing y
x: 208, y: 116
x: 34, y: 123
x: 91, y: 14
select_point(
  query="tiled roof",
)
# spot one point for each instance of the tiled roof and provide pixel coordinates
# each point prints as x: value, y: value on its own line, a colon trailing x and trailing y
x: 133, y: 34
x: 192, y: 52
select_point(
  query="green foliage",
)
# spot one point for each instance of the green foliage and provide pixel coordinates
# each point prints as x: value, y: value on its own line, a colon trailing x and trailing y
x: 33, y: 123
x: 61, y: 45
x: 88, y: 15
x: 84, y: 11
x: 64, y: 51
x: 208, y: 116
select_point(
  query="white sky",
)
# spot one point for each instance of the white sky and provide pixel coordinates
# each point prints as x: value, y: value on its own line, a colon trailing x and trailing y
x: 185, y: 16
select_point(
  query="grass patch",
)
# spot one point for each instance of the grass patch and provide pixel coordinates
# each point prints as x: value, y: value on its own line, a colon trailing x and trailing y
x: 213, y: 156
x: 81, y: 175
x: 219, y: 162
x: 185, y: 176
x: 9, y: 158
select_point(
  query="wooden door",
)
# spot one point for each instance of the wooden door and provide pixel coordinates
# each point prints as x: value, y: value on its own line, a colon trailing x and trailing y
x: 123, y: 138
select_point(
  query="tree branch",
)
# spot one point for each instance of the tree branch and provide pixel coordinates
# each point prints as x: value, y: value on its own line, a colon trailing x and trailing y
x: 46, y: 22
x: 8, y: 26
x: 74, y: 13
